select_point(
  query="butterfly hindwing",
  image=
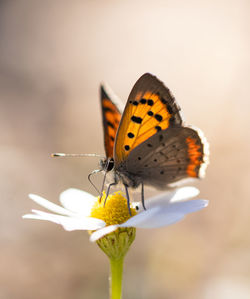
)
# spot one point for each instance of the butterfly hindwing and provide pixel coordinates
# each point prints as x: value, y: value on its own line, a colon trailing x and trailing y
x: 150, y: 108
x: 167, y: 157
x: 111, y: 117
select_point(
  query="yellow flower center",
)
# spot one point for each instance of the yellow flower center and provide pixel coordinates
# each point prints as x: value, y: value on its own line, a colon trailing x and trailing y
x: 115, y: 210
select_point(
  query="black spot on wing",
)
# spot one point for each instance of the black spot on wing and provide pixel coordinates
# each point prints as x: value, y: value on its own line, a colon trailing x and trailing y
x: 150, y: 102
x: 143, y: 101
x: 163, y: 101
x: 110, y: 124
x: 169, y: 108
x: 131, y: 135
x: 158, y: 117
x: 137, y: 120
x: 108, y: 109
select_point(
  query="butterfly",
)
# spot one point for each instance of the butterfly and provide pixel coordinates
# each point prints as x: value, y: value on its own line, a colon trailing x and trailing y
x: 148, y: 144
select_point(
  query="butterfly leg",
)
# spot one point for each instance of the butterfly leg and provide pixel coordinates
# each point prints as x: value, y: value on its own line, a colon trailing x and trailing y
x: 89, y: 179
x: 142, y: 196
x: 107, y: 194
x: 105, y: 173
x: 128, y: 202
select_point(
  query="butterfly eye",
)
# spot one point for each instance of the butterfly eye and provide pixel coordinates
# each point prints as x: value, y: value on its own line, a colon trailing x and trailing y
x: 110, y: 164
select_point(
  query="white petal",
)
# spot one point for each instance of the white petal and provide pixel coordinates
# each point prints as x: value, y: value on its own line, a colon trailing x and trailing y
x: 186, y: 207
x: 177, y: 195
x: 49, y: 205
x: 77, y: 201
x: 102, y: 232
x: 69, y: 223
x: 164, y: 215
x: 144, y: 219
x: 185, y: 193
x: 159, y: 219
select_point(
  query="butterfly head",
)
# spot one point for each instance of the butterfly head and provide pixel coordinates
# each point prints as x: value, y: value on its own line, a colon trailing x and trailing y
x: 107, y: 164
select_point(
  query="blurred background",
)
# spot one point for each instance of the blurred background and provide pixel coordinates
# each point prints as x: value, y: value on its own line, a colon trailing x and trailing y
x: 53, y: 56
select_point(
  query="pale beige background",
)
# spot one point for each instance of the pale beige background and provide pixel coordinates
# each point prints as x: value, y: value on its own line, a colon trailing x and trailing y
x: 53, y: 55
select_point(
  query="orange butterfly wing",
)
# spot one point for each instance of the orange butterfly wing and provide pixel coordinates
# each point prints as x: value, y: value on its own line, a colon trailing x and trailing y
x: 149, y: 109
x: 111, y: 117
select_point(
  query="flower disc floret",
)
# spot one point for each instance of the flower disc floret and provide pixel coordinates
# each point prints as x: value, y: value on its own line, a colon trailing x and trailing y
x: 115, y: 210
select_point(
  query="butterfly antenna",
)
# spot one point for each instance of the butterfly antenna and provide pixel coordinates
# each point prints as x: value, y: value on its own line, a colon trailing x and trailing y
x: 89, y: 179
x: 75, y: 155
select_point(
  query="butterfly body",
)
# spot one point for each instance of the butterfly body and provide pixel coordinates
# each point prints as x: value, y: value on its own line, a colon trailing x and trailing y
x: 148, y: 144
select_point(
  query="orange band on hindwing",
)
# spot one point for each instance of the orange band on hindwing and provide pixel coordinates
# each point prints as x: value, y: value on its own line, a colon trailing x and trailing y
x: 195, y: 157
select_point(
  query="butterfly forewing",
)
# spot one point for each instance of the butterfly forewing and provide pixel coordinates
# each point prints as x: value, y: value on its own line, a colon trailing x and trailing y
x: 150, y: 108
x: 167, y: 157
x: 111, y: 117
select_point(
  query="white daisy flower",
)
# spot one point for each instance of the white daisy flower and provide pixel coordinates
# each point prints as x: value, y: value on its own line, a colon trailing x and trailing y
x: 82, y: 211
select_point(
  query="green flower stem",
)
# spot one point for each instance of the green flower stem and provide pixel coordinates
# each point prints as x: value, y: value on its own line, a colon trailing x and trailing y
x: 116, y: 245
x: 116, y: 270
